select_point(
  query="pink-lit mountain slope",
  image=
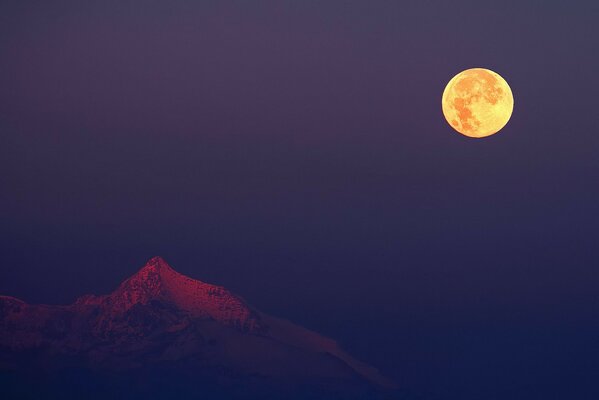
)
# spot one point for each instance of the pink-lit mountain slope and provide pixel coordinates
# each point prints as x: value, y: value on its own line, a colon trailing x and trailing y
x: 157, y: 281
x: 159, y: 317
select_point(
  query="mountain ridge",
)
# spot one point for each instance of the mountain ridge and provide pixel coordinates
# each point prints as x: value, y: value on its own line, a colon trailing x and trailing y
x: 157, y: 280
x: 159, y: 316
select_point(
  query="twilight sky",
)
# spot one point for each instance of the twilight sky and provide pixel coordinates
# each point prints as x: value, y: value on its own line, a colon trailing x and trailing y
x: 296, y: 153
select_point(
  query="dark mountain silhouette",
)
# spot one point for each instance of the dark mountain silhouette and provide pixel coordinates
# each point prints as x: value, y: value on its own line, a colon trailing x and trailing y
x: 161, y: 334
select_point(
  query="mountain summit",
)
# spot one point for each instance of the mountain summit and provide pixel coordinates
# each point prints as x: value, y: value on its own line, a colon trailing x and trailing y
x: 157, y: 281
x: 160, y: 320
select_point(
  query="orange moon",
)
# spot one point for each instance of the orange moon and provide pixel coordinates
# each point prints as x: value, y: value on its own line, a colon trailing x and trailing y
x: 477, y: 102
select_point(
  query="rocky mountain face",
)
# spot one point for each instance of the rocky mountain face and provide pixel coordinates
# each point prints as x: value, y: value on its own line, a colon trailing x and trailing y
x: 158, y: 324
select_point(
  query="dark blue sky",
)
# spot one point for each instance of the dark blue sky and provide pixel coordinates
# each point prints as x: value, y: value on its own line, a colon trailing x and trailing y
x: 296, y: 153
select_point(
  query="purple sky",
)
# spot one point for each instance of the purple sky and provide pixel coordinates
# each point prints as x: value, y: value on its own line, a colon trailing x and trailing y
x: 295, y: 152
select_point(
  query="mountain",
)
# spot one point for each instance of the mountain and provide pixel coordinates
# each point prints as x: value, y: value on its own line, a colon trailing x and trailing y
x: 161, y: 333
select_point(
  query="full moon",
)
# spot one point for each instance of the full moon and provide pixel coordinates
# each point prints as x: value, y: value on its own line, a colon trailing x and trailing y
x: 477, y: 102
